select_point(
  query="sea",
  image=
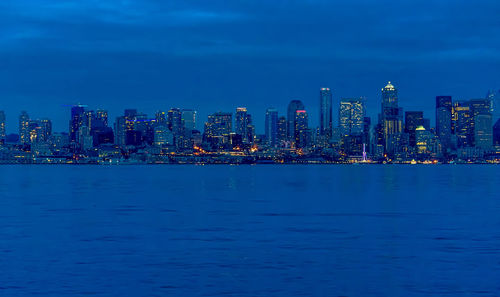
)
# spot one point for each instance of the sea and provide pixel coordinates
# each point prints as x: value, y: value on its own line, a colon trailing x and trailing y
x: 250, y: 230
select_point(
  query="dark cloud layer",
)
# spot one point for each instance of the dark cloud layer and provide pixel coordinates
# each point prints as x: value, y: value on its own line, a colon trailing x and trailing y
x: 217, y: 55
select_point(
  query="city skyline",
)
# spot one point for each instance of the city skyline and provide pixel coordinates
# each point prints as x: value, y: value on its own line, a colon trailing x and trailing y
x: 61, y: 118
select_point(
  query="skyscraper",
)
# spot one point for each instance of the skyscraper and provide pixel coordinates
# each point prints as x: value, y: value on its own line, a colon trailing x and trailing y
x: 282, y: 129
x: 24, y: 132
x: 325, y: 113
x: 462, y: 124
x: 391, y: 118
x: 351, y: 116
x: 291, y: 116
x: 301, y: 129
x: 483, y: 122
x: 218, y: 128
x: 443, y: 121
x: 2, y: 126
x: 271, y: 126
x: 76, y: 121
x: 189, y: 119
x: 496, y: 133
x: 413, y: 119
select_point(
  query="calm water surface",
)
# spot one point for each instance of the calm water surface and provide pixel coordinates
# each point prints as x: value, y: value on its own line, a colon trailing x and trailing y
x: 250, y: 231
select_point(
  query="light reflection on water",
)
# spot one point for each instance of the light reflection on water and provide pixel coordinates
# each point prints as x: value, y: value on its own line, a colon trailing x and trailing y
x: 249, y: 230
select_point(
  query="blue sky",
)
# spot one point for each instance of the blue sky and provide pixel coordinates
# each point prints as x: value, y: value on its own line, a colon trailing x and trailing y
x: 218, y: 55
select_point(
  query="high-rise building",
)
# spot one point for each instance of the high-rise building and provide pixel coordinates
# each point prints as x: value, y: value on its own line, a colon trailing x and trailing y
x: 282, y: 129
x: 24, y: 132
x: 77, y: 120
x: 102, y: 117
x: 325, y: 113
x: 351, y: 116
x: 483, y: 122
x: 241, y: 121
x: 271, y: 126
x: 391, y: 118
x: 163, y: 136
x: 462, y: 124
x: 218, y: 128
x: 494, y: 97
x: 302, y: 132
x: 189, y: 119
x: 443, y: 121
x: 292, y: 110
x: 2, y: 127
x: 413, y: 119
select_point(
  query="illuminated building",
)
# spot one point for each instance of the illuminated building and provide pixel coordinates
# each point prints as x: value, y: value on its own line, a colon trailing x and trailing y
x: 2, y: 127
x: 325, y: 113
x: 217, y: 128
x: 161, y: 118
x: 483, y: 122
x: 102, y: 117
x: 163, y: 136
x: 271, y: 126
x: 243, y: 125
x: 391, y: 118
x: 443, y: 120
x: 351, y: 116
x: 282, y: 129
x: 462, y: 124
x: 24, y: 133
x: 84, y: 137
x: 413, y: 119
x: 302, y: 132
x: 292, y: 109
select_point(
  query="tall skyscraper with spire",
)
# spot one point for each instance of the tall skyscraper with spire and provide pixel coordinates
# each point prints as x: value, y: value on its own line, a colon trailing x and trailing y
x: 391, y: 118
x: 325, y: 112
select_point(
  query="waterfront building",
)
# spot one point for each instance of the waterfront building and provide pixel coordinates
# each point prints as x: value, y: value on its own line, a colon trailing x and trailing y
x: 217, y: 129
x: 163, y: 136
x: 188, y: 117
x: 483, y: 123
x: 325, y: 113
x: 496, y: 133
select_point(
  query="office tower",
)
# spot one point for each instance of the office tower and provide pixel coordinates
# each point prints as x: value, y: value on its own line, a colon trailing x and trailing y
x: 2, y: 127
x: 413, y: 119
x: 120, y: 130
x: 282, y: 129
x: 45, y: 129
x: 483, y: 122
x: 24, y: 133
x: 423, y: 138
x: 496, y: 133
x: 302, y: 132
x: 76, y: 121
x: 462, y: 123
x: 325, y: 113
x: 351, y: 116
x: 391, y: 118
x: 174, y: 121
x: 189, y: 119
x: 271, y: 126
x: 218, y: 127
x: 292, y: 109
x: 241, y: 121
x: 163, y: 136
x: 443, y: 121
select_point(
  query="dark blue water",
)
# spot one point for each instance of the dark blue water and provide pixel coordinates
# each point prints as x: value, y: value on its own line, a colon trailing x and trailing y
x: 250, y: 231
